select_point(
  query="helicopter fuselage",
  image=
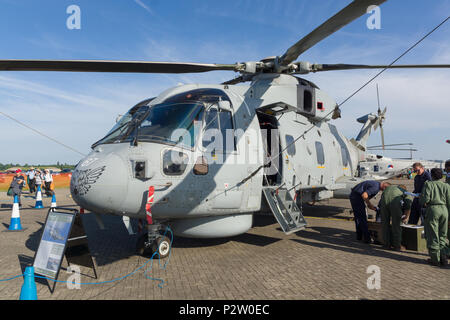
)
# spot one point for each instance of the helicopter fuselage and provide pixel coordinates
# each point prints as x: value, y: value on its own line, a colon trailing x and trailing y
x: 213, y: 192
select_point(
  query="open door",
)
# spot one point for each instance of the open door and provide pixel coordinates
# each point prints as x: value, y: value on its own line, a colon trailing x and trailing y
x: 271, y: 140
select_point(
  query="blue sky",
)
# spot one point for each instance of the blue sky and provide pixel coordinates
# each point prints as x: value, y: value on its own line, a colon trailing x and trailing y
x: 78, y: 109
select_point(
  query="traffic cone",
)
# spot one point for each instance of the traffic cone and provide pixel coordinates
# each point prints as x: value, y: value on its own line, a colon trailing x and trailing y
x: 15, y: 224
x: 39, y: 204
x: 53, y: 205
x: 28, y: 291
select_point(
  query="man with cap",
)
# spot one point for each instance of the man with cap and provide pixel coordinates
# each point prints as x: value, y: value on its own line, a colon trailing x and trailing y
x: 436, y: 199
x: 394, y: 203
x: 17, y: 185
x: 419, y: 180
x: 359, y: 198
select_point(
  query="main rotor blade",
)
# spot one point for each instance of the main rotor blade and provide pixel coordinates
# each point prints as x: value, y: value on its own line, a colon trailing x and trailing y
x: 351, y: 12
x: 342, y: 66
x: 112, y: 66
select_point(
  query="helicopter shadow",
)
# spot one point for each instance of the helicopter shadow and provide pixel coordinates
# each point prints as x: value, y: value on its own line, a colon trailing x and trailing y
x: 343, y: 240
x: 246, y: 238
x: 106, y: 246
x: 326, y: 211
x: 111, y: 244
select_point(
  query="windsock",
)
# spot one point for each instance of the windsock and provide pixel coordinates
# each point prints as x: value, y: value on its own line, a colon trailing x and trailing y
x: 39, y: 204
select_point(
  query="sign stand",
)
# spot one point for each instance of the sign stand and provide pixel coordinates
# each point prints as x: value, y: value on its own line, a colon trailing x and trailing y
x: 63, y: 235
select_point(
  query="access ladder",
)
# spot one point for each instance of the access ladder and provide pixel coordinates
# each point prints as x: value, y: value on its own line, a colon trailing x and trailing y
x: 284, y: 209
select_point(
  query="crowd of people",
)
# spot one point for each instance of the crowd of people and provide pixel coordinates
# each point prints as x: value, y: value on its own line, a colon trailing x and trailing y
x: 35, y: 178
x: 429, y: 202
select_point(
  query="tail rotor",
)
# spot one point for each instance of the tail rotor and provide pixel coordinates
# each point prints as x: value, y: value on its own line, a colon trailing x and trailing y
x: 380, y: 119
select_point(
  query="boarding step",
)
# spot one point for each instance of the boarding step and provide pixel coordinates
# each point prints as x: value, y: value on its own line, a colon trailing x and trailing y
x: 284, y: 209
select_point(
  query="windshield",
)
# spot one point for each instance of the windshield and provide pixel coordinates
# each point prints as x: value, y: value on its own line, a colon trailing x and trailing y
x: 172, y: 123
x: 123, y: 127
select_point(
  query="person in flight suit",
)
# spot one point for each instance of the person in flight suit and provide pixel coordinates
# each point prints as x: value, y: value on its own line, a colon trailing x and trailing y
x: 359, y: 198
x: 436, y: 198
x: 419, y: 180
x: 447, y: 171
x: 447, y: 180
x: 394, y: 203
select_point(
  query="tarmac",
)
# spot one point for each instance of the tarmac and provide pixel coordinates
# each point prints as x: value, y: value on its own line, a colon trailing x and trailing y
x: 323, y: 261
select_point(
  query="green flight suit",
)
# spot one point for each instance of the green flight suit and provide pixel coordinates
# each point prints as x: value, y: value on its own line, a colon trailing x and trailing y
x: 447, y: 180
x: 436, y: 196
x: 392, y: 204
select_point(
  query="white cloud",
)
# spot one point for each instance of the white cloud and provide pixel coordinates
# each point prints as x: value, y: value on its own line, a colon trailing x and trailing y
x: 143, y: 5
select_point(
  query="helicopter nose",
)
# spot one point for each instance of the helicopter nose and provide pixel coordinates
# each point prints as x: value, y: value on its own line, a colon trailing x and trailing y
x: 99, y: 185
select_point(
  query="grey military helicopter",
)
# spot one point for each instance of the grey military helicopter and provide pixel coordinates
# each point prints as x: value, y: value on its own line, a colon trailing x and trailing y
x: 217, y: 154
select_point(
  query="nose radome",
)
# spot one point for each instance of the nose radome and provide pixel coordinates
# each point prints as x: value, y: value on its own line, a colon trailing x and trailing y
x: 99, y: 184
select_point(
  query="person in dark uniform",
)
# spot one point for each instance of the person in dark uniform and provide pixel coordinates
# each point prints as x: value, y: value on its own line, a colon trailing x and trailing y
x: 359, y: 198
x: 419, y: 181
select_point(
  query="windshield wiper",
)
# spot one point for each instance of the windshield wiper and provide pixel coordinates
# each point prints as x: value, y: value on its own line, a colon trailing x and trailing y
x: 111, y: 133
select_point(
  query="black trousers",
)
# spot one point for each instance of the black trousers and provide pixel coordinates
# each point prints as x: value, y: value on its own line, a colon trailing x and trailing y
x: 415, y: 212
x: 359, y: 210
x: 48, y: 191
x: 17, y: 192
x: 32, y: 185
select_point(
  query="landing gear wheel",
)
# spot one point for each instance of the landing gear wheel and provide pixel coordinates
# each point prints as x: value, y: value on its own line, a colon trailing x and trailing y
x: 143, y: 247
x: 162, y: 246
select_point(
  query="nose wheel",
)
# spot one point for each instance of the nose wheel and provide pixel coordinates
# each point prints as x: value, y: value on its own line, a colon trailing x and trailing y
x: 154, y: 242
x: 162, y: 246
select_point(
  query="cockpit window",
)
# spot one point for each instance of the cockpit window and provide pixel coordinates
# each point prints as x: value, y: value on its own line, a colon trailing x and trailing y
x: 166, y: 123
x: 219, y: 125
x: 172, y: 123
x: 176, y: 121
